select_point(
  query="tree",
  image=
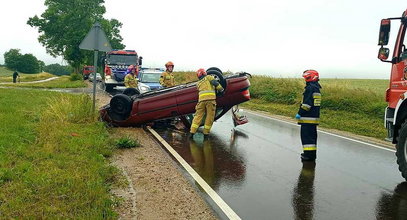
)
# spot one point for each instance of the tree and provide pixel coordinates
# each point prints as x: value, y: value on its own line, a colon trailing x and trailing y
x: 41, y: 65
x: 57, y: 69
x: 12, y: 59
x: 28, y: 64
x: 64, y: 25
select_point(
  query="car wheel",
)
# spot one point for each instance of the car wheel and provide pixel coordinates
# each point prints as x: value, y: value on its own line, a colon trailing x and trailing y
x: 121, y: 105
x: 131, y: 92
x: 217, y: 73
x: 401, y: 152
x: 214, y: 68
x: 109, y: 88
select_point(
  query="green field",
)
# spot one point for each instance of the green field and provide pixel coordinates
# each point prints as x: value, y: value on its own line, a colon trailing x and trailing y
x: 353, y: 105
x: 5, y: 72
x: 25, y: 77
x: 61, y: 82
x: 53, y: 157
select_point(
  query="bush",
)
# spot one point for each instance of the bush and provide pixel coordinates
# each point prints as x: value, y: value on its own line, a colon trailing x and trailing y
x: 75, y: 77
x: 127, y: 142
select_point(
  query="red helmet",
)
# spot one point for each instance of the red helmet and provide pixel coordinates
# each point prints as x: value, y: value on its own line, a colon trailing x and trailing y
x: 131, y: 68
x: 310, y: 75
x: 200, y: 73
x: 169, y: 63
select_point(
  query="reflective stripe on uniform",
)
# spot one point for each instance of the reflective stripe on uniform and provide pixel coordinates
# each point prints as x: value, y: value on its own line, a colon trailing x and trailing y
x: 316, y: 95
x: 194, y: 126
x: 207, y: 127
x: 206, y: 91
x: 309, y: 147
x: 308, y: 120
x: 306, y: 107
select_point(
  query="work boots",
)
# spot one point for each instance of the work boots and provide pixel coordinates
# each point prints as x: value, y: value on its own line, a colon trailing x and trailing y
x: 308, y: 156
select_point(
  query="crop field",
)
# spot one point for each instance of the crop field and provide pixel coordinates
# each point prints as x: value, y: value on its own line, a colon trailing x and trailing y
x: 353, y: 105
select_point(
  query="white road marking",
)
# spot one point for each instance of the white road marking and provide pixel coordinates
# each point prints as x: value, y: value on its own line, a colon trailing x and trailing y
x: 214, y: 196
x: 324, y: 132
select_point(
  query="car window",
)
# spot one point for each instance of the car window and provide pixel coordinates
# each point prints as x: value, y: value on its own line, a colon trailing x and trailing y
x: 151, y: 77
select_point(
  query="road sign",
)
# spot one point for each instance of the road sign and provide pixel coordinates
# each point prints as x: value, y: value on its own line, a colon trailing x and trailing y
x: 96, y: 40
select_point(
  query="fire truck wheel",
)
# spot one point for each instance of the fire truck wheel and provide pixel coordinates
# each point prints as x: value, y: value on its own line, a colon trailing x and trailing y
x: 401, y: 152
x: 218, y: 75
x: 131, y: 92
x: 121, y: 104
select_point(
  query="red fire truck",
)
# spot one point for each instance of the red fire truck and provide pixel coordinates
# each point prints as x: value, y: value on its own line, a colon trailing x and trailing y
x: 86, y: 71
x: 116, y: 64
x: 396, y: 94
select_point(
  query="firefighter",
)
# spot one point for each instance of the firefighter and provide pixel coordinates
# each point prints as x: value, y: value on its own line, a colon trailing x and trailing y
x: 206, y: 106
x: 167, y: 77
x: 130, y: 80
x: 308, y: 115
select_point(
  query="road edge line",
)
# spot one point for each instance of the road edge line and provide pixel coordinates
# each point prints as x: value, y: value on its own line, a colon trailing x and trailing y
x: 211, y: 193
x: 325, y: 132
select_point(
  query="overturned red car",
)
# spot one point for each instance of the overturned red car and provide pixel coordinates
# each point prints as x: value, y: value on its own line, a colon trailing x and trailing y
x: 132, y: 110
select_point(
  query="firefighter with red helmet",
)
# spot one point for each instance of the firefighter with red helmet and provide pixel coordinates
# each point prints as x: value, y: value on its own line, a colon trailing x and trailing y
x: 308, y: 115
x: 167, y: 78
x: 206, y: 106
x: 130, y: 80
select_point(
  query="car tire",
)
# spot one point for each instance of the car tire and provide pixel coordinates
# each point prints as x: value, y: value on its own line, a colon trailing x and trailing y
x: 214, y: 68
x: 109, y: 88
x: 217, y: 73
x: 131, y: 92
x: 401, y: 151
x: 120, y: 106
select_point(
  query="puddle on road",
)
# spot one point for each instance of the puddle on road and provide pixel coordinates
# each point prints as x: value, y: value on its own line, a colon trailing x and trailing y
x: 211, y: 158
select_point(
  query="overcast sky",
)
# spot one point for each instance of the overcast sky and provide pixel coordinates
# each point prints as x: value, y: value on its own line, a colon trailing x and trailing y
x: 279, y: 38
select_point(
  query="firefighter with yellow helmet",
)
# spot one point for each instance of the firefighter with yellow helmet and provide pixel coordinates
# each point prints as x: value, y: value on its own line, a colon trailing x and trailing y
x: 167, y: 78
x: 206, y: 106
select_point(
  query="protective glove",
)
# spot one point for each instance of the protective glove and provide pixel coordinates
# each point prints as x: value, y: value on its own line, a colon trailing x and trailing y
x: 220, y: 92
x: 297, y: 116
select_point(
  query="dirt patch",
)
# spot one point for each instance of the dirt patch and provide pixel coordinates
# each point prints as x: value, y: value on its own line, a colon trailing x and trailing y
x: 161, y: 190
x: 157, y: 189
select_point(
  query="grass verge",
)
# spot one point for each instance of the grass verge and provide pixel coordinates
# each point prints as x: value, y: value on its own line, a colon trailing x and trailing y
x: 53, y: 157
x: 61, y: 82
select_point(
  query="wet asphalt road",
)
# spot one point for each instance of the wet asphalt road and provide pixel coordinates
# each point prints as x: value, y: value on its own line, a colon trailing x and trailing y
x: 256, y: 169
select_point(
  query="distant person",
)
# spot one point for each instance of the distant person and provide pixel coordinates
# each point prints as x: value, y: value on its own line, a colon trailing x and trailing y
x: 308, y: 115
x: 130, y: 80
x: 167, y: 78
x: 206, y: 106
x: 15, y: 75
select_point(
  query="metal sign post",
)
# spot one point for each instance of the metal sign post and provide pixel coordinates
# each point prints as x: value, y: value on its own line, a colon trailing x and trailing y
x: 95, y: 40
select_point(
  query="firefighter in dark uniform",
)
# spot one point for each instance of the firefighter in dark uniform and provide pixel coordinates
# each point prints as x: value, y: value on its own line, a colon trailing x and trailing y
x: 308, y: 115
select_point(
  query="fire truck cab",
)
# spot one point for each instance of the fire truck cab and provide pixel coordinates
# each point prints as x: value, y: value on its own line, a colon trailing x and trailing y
x: 116, y: 64
x: 396, y: 94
